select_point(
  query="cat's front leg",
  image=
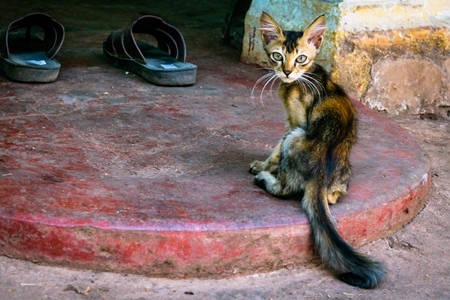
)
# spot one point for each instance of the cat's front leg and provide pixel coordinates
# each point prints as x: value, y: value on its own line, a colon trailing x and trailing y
x: 270, y: 164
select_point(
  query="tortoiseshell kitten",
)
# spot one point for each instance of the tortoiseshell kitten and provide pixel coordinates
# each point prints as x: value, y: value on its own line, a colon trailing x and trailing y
x: 313, y: 156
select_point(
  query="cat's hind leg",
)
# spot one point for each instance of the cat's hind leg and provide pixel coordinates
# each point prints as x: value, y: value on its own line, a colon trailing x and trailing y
x: 339, y: 186
x: 268, y: 182
x: 334, y: 193
x: 282, y: 185
x: 288, y: 179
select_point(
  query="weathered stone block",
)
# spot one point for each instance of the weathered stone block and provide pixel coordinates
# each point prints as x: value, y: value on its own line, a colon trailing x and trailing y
x: 413, y: 85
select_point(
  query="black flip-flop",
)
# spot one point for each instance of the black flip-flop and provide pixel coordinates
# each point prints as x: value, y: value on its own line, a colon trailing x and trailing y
x: 25, y: 55
x: 164, y: 64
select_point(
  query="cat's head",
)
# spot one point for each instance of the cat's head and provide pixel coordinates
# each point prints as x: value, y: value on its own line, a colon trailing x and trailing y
x: 291, y: 53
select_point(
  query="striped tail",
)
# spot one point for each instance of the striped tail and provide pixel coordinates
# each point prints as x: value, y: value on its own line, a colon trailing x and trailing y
x: 353, y: 267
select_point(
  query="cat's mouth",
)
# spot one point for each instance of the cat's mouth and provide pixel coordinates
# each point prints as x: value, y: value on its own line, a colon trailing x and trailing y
x: 287, y: 79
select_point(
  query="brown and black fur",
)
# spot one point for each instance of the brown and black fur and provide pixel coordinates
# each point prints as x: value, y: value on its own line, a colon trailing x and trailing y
x: 313, y: 156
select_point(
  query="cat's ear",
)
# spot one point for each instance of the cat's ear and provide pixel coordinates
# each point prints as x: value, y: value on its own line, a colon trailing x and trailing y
x: 314, y: 33
x: 269, y: 29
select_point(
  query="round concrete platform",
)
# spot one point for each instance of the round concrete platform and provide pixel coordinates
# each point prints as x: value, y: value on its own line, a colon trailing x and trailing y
x: 105, y: 171
x: 155, y: 181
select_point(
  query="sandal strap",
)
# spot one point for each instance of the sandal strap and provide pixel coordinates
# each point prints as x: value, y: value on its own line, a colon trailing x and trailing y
x: 122, y: 43
x: 53, y: 33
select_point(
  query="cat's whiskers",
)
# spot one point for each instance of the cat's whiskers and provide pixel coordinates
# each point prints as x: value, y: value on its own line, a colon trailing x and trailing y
x: 318, y: 86
x: 307, y: 85
x: 271, y: 88
x: 312, y: 86
x: 262, y: 78
x: 299, y: 82
x: 267, y: 78
x: 273, y: 79
x: 311, y: 76
x: 259, y: 80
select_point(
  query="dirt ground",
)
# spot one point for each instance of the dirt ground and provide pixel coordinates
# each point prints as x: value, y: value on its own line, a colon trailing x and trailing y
x: 415, y: 256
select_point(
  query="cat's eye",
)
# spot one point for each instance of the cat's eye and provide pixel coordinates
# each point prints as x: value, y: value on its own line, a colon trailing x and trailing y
x: 302, y: 59
x: 276, y: 56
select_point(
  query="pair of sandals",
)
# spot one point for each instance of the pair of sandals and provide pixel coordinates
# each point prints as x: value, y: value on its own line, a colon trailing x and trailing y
x: 27, y: 54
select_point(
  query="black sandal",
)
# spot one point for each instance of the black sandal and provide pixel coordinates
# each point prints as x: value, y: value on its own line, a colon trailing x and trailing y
x: 27, y: 57
x: 162, y: 65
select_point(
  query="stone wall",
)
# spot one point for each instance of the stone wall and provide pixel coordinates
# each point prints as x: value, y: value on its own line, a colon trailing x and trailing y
x: 394, y: 55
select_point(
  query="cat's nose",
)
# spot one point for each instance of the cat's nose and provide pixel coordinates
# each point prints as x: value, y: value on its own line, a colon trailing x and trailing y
x: 287, y: 72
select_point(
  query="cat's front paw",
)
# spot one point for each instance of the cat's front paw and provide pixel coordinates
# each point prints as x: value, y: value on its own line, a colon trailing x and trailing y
x: 256, y: 167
